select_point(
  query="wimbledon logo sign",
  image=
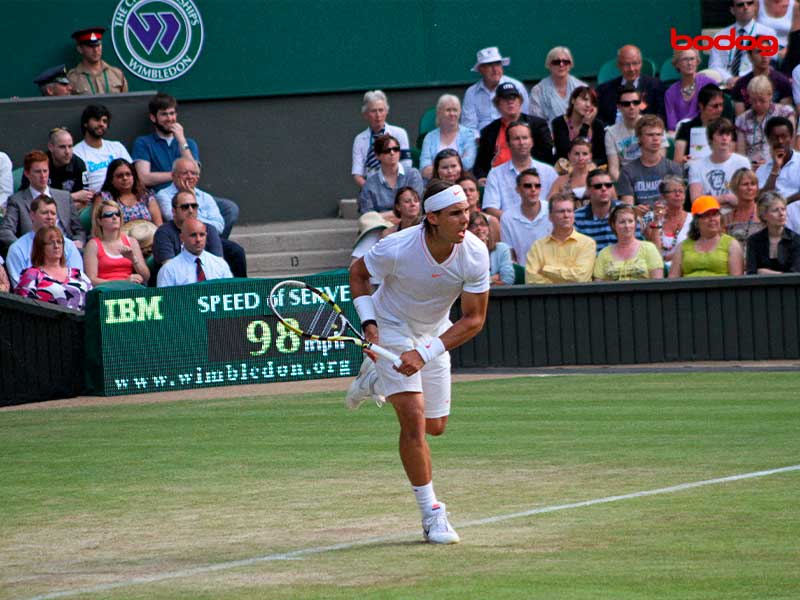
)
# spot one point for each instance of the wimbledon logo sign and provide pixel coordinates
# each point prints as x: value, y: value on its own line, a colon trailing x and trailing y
x: 157, y: 40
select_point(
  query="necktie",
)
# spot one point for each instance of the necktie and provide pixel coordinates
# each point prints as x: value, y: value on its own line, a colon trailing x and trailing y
x: 737, y: 57
x: 372, y: 160
x: 201, y: 275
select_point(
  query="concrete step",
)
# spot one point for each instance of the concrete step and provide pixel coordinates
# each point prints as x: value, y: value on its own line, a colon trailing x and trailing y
x: 274, y: 264
x: 295, y: 241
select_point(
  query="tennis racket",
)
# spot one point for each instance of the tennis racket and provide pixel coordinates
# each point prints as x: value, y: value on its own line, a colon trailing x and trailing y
x: 312, y: 314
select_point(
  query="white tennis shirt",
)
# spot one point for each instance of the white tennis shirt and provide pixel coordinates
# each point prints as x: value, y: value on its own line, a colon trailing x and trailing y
x: 418, y: 291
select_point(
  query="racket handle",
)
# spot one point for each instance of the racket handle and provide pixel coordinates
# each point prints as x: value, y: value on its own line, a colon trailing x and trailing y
x: 386, y: 354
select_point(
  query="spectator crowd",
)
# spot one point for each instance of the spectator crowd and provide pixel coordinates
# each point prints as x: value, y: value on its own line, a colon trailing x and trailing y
x: 694, y: 174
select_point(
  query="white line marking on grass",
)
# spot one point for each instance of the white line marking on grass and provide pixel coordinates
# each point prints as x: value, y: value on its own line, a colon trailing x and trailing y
x: 299, y: 554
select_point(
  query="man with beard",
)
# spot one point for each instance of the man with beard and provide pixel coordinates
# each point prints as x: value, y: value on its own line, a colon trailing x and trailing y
x: 94, y: 150
x: 156, y: 153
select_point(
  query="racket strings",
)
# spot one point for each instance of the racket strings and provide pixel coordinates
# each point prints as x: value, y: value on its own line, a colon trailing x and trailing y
x: 322, y: 323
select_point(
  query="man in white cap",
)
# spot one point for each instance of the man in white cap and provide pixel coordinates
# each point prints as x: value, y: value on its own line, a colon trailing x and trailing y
x: 424, y: 270
x: 478, y: 107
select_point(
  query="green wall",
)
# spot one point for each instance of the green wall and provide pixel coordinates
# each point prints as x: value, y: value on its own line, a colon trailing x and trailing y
x: 271, y: 47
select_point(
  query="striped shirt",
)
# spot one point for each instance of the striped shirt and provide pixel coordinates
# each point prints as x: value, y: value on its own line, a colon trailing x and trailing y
x: 598, y: 229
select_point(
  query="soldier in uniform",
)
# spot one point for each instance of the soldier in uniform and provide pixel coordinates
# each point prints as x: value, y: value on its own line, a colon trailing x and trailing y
x: 93, y: 75
x: 54, y: 82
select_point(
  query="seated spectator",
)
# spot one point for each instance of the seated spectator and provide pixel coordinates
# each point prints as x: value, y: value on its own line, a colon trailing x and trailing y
x: 123, y: 186
x: 380, y: 188
x: 742, y: 220
x: 49, y: 279
x: 493, y: 148
x: 154, y: 156
x: 691, y: 141
x: 710, y: 176
x: 42, y: 214
x: 111, y: 255
x: 54, y: 82
x: 17, y: 221
x: 629, y: 63
x: 639, y: 179
x: 680, y: 99
x: 524, y: 223
x: 627, y: 258
x: 501, y: 184
x: 731, y: 64
x: 781, y: 172
x: 67, y: 171
x: 550, y: 97
x: 707, y: 252
x: 579, y: 163
x: 93, y: 75
x: 371, y: 226
x: 94, y: 150
x: 448, y: 135
x: 669, y: 224
x: 501, y: 268
x: 580, y: 120
x: 775, y: 249
x: 193, y: 264
x: 469, y: 184
x: 781, y: 86
x: 593, y: 218
x: 751, y: 138
x: 167, y: 239
x: 479, y: 106
x: 185, y: 177
x: 375, y: 109
x: 407, y: 209
x: 5, y: 284
x: 564, y: 256
x: 622, y: 145
x: 6, y: 180
x: 447, y: 166
x: 777, y: 14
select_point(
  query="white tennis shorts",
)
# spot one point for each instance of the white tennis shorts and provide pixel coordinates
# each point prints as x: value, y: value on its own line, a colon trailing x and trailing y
x: 433, y: 380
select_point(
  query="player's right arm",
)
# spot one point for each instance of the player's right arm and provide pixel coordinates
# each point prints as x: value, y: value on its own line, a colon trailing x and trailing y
x: 361, y: 286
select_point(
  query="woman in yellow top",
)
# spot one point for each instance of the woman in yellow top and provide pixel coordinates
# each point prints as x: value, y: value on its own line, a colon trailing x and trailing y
x: 707, y: 252
x: 629, y: 258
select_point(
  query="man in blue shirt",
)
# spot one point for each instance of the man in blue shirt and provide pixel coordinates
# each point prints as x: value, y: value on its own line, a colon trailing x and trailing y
x: 155, y: 154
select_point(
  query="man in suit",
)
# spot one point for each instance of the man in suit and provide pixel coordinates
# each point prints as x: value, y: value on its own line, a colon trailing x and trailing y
x: 493, y: 149
x: 17, y: 220
x: 629, y: 63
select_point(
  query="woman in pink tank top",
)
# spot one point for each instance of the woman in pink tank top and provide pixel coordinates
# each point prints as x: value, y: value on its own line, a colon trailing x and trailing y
x: 109, y: 255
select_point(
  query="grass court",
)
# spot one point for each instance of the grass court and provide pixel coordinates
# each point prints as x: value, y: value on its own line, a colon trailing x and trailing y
x: 294, y: 497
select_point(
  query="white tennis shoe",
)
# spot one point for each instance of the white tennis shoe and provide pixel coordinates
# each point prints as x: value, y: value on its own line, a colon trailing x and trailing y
x: 436, y: 529
x: 363, y: 387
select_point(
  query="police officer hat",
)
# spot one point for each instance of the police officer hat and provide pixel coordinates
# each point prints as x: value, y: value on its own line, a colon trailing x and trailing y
x: 91, y: 37
x: 52, y: 75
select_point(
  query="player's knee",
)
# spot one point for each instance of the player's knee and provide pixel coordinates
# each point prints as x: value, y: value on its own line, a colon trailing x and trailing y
x: 412, y: 436
x: 436, y: 427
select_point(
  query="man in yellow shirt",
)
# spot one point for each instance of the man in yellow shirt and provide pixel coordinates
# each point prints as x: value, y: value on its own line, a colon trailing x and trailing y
x: 564, y: 256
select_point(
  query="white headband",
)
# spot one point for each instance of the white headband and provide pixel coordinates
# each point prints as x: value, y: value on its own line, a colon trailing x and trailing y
x: 447, y: 197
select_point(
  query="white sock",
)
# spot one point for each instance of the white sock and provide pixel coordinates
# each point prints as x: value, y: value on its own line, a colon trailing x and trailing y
x: 426, y: 498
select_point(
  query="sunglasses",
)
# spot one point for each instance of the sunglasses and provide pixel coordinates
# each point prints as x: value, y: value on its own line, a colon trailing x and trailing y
x: 188, y: 205
x: 108, y: 215
x: 560, y: 62
x: 627, y: 103
x: 599, y: 186
x: 743, y: 4
x: 391, y: 149
x: 529, y: 186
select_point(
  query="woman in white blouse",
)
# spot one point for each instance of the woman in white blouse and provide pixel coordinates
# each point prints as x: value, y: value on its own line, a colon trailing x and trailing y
x: 550, y: 97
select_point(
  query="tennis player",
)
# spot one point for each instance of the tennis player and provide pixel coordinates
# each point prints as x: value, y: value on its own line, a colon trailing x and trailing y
x: 424, y: 270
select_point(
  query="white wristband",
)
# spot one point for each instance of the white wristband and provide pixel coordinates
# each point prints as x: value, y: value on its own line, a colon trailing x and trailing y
x: 365, y: 308
x: 431, y: 350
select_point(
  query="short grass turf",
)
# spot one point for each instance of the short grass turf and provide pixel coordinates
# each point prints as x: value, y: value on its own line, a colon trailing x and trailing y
x: 94, y: 496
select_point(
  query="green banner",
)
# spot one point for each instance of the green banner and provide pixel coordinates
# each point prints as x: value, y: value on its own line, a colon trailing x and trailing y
x: 214, y: 333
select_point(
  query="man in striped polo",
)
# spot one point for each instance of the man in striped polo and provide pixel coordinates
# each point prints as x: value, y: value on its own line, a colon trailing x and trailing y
x: 592, y: 219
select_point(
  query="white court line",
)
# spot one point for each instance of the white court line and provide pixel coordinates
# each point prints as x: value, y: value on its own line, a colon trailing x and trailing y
x: 295, y: 554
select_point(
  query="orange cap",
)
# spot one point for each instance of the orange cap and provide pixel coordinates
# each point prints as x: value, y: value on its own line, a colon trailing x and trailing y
x: 703, y: 204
